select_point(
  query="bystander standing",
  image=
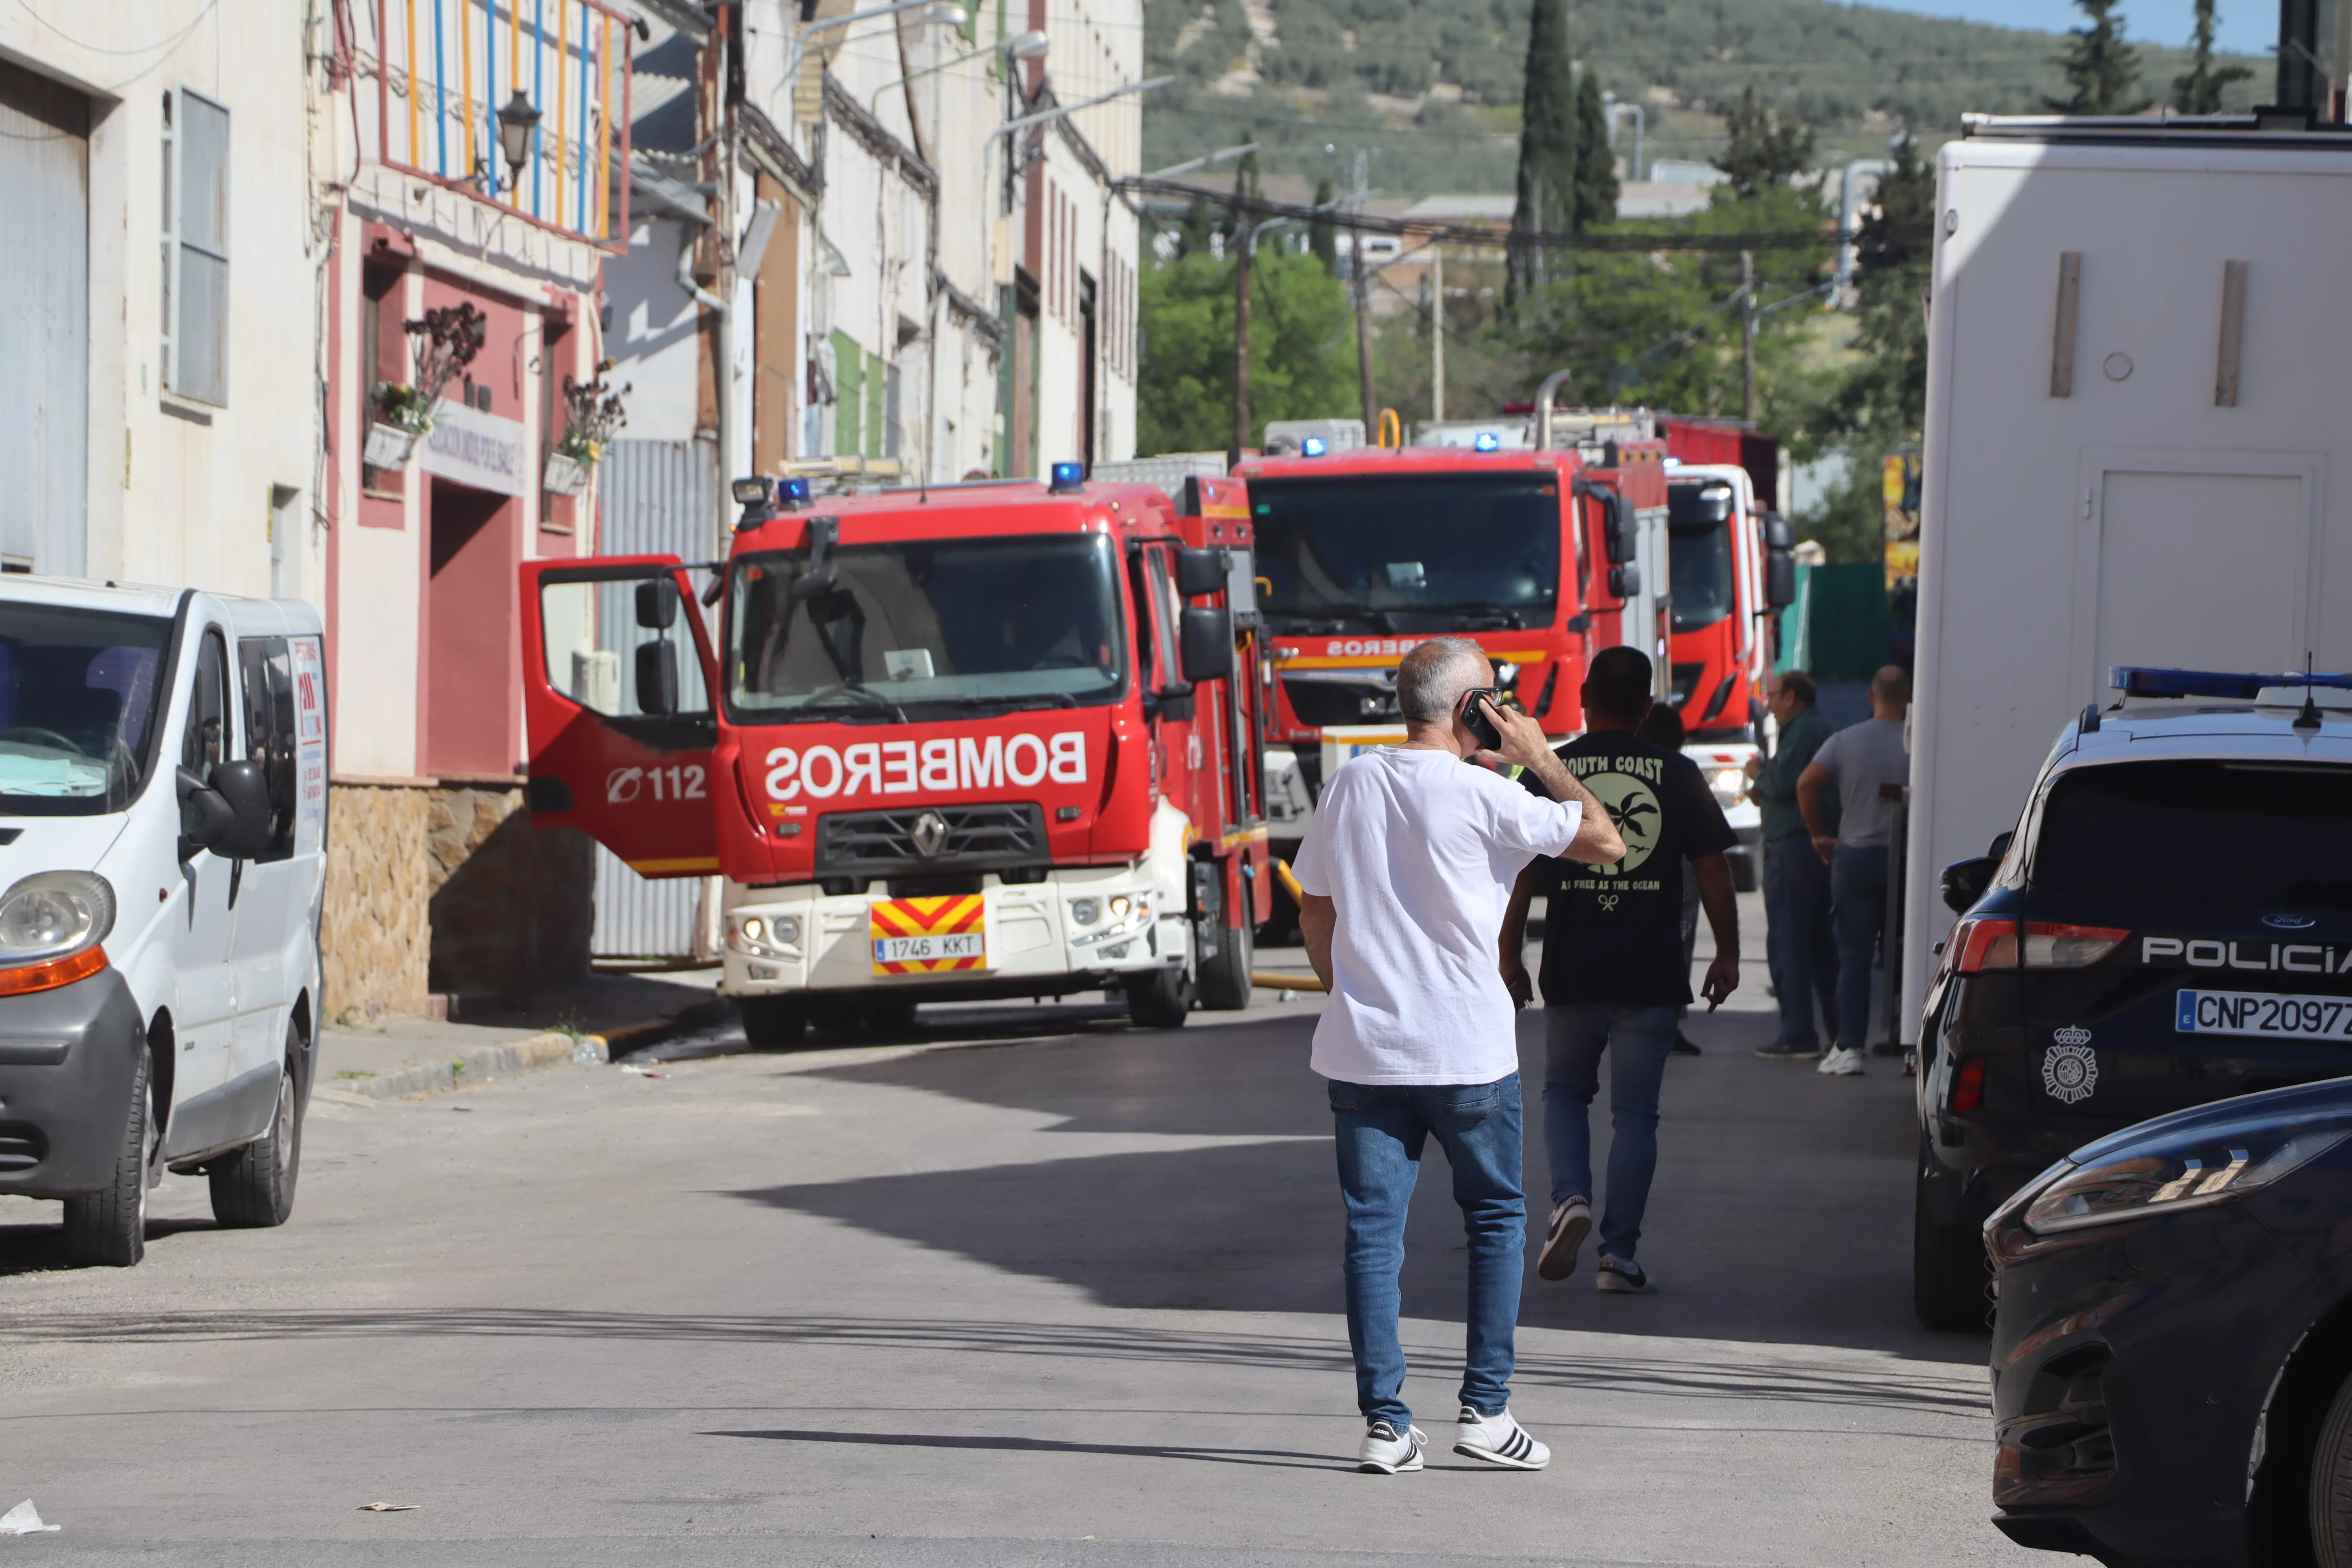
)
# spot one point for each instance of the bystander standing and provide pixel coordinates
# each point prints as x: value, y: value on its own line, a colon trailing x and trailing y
x: 1614, y: 969
x: 1870, y: 765
x: 1405, y: 874
x: 1798, y: 947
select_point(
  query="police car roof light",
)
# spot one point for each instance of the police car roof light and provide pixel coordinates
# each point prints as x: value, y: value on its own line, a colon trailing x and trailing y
x: 1486, y: 441
x: 1067, y: 477
x: 2139, y: 681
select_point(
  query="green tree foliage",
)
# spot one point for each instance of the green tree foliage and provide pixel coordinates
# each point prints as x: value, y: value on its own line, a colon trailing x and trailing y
x: 1547, y: 183
x: 1323, y: 235
x: 1198, y: 236
x: 1596, y: 164
x: 2198, y: 89
x: 2099, y: 65
x: 1302, y: 349
x: 1763, y: 151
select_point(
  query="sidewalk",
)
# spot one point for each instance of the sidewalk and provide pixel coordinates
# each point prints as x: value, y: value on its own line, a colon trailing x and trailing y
x: 610, y: 1016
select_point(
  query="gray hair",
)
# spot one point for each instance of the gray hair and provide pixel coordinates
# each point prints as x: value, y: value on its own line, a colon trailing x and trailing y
x: 1431, y: 679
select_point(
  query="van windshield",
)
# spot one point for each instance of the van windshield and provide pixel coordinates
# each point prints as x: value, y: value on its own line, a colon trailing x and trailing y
x: 2276, y: 835
x: 78, y: 697
x: 926, y: 627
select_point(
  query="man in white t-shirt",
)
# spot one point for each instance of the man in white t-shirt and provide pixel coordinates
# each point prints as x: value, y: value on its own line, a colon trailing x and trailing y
x: 1407, y: 869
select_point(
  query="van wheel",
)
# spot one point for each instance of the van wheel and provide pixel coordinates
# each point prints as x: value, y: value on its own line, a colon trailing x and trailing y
x: 1951, y: 1275
x: 773, y: 1022
x: 109, y: 1226
x: 1162, y: 998
x: 253, y: 1188
x: 1225, y: 979
x: 2331, y: 1485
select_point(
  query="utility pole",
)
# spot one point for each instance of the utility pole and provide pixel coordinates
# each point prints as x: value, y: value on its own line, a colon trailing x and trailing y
x: 1245, y: 243
x: 1748, y: 336
x: 1364, y: 306
x: 1437, y: 333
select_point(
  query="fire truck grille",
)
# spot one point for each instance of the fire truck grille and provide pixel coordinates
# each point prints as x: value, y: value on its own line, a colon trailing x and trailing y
x: 880, y: 842
x: 1321, y: 702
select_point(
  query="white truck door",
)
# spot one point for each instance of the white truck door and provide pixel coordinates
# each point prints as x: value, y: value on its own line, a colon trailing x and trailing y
x: 203, y: 924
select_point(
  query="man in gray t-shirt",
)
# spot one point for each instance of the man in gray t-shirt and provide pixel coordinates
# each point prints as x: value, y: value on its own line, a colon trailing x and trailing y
x: 1870, y: 765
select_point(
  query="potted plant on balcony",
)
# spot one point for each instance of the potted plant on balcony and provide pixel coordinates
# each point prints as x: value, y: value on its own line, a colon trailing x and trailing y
x: 450, y: 338
x: 593, y: 411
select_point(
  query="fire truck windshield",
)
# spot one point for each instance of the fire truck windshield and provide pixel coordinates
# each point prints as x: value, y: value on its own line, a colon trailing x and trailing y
x: 1433, y: 552
x: 1699, y: 547
x: 924, y: 628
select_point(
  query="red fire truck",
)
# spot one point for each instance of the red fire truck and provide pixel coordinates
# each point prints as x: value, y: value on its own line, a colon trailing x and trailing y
x: 1540, y: 553
x: 948, y: 743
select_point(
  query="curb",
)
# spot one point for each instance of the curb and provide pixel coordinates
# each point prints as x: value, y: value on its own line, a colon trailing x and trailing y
x: 542, y: 1050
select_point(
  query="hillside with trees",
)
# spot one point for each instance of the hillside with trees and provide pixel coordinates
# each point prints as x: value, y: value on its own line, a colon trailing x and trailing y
x: 1438, y: 86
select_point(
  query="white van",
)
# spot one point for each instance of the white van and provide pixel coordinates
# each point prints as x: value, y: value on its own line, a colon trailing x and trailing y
x: 162, y: 837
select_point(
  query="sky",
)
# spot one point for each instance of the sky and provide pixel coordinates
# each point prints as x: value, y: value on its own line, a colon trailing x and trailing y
x: 2241, y: 27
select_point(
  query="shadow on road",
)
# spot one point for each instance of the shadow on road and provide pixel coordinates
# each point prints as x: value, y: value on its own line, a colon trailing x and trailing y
x: 1276, y: 1458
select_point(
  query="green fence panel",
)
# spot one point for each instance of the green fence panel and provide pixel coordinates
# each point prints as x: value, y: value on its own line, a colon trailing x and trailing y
x: 1844, y: 632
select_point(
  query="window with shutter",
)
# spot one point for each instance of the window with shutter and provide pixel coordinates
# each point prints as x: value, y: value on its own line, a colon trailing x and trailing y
x: 195, y: 247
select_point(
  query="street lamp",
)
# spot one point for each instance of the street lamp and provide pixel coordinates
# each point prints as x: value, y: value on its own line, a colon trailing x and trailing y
x: 1028, y: 46
x: 1189, y: 164
x: 517, y: 120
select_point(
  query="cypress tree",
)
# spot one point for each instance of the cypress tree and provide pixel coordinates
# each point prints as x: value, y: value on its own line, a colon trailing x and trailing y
x: 2103, y: 70
x: 1323, y: 235
x: 1762, y: 150
x: 1199, y: 228
x: 1596, y: 163
x: 2197, y: 90
x: 1547, y: 185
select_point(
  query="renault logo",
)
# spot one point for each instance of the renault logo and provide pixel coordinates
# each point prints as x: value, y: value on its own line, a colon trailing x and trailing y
x: 931, y: 832
x: 2289, y: 922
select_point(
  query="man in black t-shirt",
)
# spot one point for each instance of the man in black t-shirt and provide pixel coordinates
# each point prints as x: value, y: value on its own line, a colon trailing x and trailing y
x: 1614, y: 972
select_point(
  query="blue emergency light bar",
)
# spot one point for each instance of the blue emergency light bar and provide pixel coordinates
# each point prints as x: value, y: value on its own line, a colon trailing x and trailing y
x: 2139, y: 681
x: 1486, y: 441
x: 1313, y: 447
x: 1067, y: 477
x: 795, y: 493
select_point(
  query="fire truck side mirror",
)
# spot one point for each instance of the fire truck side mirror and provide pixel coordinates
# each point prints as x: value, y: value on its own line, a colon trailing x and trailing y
x: 1207, y: 639
x: 657, y: 604
x: 1778, y: 534
x: 1779, y: 579
x: 1616, y: 528
x: 656, y: 679
x: 1625, y: 580
x: 1199, y: 572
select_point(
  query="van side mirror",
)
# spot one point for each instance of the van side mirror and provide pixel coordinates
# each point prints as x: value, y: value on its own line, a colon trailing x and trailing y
x: 1199, y: 572
x: 657, y: 678
x: 229, y: 815
x: 1779, y: 579
x: 1999, y: 849
x: 1207, y: 643
x: 1624, y: 582
x: 657, y: 604
x: 1965, y: 881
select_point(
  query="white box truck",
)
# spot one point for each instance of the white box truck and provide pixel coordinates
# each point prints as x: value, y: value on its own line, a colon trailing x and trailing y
x: 2136, y: 400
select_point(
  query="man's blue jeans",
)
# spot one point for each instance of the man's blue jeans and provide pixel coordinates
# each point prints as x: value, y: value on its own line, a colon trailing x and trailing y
x: 1637, y: 1040
x: 1858, y: 906
x: 1798, y: 947
x: 1381, y: 1129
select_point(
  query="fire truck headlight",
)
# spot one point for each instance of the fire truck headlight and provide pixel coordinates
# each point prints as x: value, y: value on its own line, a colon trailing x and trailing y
x: 1085, y: 911
x: 764, y: 936
x: 1728, y: 784
x: 1120, y: 905
x: 1129, y: 916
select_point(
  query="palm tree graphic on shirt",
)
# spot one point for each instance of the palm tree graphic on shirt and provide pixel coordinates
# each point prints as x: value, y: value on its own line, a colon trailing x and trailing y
x: 1634, y: 807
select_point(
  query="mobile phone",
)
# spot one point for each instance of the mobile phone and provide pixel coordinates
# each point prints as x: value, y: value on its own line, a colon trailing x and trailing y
x: 1473, y: 716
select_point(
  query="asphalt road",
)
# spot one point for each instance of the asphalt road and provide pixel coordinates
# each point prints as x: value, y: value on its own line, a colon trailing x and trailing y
x: 1059, y: 1297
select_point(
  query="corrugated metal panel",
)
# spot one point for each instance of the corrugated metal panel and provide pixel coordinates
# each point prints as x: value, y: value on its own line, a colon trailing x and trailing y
x: 45, y: 330
x: 658, y: 497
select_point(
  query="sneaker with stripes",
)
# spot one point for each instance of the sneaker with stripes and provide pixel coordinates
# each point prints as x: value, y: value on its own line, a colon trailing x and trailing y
x: 1385, y: 1450
x: 1499, y: 1439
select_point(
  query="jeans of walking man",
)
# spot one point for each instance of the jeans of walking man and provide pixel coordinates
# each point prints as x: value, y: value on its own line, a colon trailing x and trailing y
x: 1405, y: 872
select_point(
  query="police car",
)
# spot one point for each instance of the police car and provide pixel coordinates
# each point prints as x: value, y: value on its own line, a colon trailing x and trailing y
x: 2169, y: 924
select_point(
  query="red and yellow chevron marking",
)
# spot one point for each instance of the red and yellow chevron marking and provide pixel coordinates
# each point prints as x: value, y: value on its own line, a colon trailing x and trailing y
x: 948, y: 915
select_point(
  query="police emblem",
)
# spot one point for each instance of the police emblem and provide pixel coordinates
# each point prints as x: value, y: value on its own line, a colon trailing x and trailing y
x: 2070, y: 1070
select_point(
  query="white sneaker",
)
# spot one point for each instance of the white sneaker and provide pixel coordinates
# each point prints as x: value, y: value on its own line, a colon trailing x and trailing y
x: 1841, y: 1063
x: 1499, y: 1439
x: 1384, y: 1450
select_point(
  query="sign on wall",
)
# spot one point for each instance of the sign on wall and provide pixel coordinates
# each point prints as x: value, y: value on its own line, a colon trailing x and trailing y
x: 484, y: 450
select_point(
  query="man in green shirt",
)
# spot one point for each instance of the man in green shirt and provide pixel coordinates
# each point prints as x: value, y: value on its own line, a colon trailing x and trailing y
x: 1798, y: 946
